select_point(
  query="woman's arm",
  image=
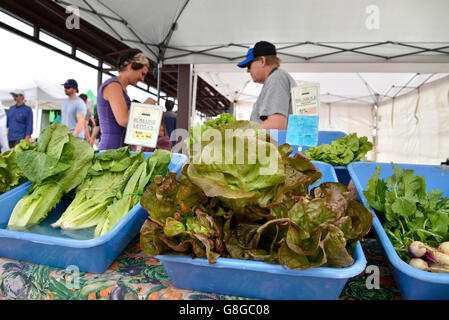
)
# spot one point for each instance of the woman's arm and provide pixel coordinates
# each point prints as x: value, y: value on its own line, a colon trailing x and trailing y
x: 80, y: 125
x: 114, y: 95
x: 86, y: 131
x: 93, y: 136
x: 275, y: 121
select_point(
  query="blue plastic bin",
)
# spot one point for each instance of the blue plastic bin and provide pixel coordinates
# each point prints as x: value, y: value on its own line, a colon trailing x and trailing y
x: 262, y: 280
x: 342, y: 174
x: 414, y: 284
x: 11, y: 192
x: 324, y: 137
x: 58, y: 248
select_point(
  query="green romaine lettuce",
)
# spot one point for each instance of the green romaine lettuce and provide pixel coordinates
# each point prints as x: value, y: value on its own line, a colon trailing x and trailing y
x: 58, y: 165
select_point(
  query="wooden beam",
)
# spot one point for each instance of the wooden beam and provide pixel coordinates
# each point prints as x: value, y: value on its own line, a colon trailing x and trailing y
x: 184, y: 96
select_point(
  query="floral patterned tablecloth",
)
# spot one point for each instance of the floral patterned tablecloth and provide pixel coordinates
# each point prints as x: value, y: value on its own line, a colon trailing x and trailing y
x: 133, y: 275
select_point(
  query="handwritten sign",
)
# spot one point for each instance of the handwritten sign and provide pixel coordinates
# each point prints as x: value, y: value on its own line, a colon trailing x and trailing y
x: 302, y: 126
x: 143, y: 125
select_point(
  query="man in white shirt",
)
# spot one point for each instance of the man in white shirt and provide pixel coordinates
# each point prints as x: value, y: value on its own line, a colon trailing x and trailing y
x: 73, y: 113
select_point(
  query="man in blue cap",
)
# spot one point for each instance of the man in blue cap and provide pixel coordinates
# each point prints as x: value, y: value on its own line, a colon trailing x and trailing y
x: 74, y: 110
x: 274, y: 103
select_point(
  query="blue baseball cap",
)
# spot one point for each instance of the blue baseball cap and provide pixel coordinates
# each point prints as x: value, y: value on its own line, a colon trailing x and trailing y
x: 71, y: 83
x: 261, y: 48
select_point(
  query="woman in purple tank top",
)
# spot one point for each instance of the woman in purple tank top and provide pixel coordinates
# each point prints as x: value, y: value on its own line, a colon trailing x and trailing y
x: 113, y: 102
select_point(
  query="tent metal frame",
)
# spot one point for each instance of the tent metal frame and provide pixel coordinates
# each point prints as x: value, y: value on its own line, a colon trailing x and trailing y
x: 164, y: 45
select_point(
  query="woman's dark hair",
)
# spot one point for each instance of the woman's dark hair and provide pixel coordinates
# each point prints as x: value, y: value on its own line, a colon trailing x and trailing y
x: 84, y: 97
x: 130, y: 58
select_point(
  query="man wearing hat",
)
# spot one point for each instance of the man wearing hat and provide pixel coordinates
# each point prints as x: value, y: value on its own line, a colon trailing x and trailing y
x: 274, y: 103
x: 74, y: 109
x: 19, y: 120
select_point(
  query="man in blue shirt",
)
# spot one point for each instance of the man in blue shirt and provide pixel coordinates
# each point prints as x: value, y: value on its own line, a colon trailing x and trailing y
x: 19, y: 120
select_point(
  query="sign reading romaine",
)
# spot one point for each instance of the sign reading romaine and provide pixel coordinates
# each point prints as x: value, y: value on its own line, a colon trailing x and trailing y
x: 143, y: 126
x: 302, y: 126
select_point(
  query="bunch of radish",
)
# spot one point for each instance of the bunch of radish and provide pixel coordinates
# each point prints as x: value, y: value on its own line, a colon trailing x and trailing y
x: 437, y: 259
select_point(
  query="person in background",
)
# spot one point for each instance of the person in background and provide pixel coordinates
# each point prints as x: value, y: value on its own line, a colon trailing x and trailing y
x: 74, y: 110
x: 170, y: 119
x: 113, y: 102
x: 96, y: 132
x: 83, y: 97
x: 163, y: 141
x: 274, y: 104
x: 19, y: 120
x: 3, y: 138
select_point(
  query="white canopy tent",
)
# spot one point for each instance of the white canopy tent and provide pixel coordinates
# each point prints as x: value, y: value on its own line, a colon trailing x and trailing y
x: 211, y: 31
x: 366, y: 56
x: 40, y: 94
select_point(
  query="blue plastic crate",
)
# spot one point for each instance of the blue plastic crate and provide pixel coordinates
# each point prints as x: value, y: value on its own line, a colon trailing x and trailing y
x: 342, y: 174
x: 262, y: 280
x: 11, y: 192
x: 414, y: 284
x: 327, y: 137
x: 58, y: 248
x: 324, y: 137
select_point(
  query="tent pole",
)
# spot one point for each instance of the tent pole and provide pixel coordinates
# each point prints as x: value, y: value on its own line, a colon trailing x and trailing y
x: 100, y: 74
x: 37, y: 128
x: 159, y: 66
x: 376, y: 123
x: 194, y: 91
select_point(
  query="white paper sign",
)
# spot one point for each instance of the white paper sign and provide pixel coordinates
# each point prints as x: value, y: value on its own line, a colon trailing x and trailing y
x: 143, y: 125
x: 306, y: 99
x: 302, y: 128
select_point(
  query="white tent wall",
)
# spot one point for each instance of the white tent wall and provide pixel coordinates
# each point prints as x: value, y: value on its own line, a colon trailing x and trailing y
x: 243, y: 110
x: 349, y: 118
x: 424, y: 139
x: 40, y: 94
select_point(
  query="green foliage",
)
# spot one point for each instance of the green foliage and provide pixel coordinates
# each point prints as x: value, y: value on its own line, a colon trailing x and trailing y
x: 111, y: 189
x: 10, y: 173
x: 58, y: 165
x: 408, y: 213
x: 107, y: 187
x: 231, y: 210
x: 342, y: 151
x: 197, y: 131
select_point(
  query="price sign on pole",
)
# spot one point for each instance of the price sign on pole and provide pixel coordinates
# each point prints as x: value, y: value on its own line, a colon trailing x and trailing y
x: 302, y: 126
x: 143, y: 125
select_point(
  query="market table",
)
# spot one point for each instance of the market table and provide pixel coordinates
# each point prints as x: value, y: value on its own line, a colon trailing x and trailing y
x: 134, y: 275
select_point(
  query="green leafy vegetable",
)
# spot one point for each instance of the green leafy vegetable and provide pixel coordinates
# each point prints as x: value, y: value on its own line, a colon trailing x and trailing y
x: 230, y: 209
x: 98, y: 191
x: 114, y: 185
x: 342, y: 151
x: 197, y: 130
x: 407, y: 212
x: 58, y: 165
x: 10, y: 173
x: 156, y: 164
